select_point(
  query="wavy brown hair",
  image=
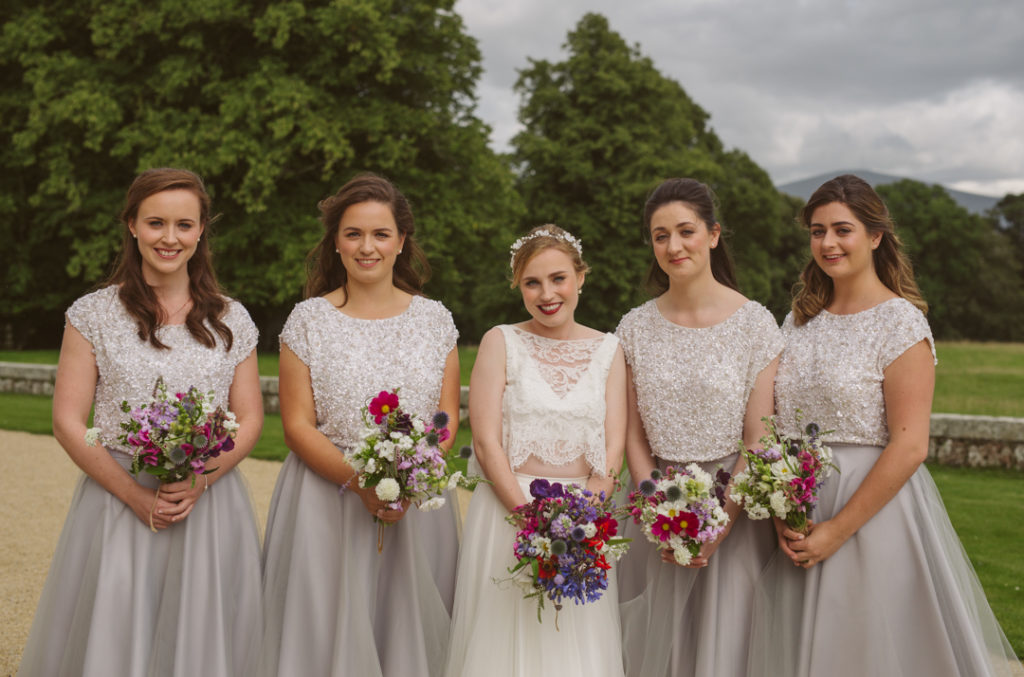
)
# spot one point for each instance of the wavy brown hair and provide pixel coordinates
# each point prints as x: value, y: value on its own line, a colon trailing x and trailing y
x: 814, y: 291
x: 324, y: 270
x: 538, y: 243
x: 138, y: 297
x: 699, y: 197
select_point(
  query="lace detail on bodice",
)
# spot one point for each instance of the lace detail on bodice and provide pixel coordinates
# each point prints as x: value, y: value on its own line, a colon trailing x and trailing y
x: 832, y: 370
x: 554, y: 401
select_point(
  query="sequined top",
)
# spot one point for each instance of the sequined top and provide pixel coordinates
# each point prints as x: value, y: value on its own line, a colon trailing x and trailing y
x: 129, y: 366
x: 692, y: 384
x: 553, y: 406
x: 832, y: 370
x: 350, y: 360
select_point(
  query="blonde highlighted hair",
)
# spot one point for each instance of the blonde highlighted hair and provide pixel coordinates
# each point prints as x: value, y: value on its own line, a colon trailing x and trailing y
x: 814, y: 291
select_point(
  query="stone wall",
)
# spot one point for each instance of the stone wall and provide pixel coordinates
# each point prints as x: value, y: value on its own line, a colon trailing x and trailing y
x: 975, y: 441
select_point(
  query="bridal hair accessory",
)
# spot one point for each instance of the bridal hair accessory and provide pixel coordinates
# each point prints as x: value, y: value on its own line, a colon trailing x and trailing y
x: 544, y: 232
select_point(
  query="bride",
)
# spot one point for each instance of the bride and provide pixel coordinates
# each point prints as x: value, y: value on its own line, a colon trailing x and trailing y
x: 547, y: 399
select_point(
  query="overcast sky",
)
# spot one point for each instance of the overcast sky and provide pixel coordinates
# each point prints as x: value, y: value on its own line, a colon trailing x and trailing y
x: 931, y: 89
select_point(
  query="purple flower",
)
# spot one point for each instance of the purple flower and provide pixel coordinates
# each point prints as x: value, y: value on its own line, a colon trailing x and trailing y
x: 541, y: 488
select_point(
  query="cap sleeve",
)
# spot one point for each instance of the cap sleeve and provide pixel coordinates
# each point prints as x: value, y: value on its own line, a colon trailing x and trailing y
x: 904, y: 327
x: 626, y: 334
x: 449, y: 333
x: 295, y: 333
x: 243, y: 329
x: 88, y: 312
x: 767, y: 343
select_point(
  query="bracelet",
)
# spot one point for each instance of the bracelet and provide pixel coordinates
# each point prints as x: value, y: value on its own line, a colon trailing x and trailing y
x: 206, y: 486
x: 344, y: 487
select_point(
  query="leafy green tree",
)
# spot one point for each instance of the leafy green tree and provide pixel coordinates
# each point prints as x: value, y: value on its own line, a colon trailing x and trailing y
x: 275, y: 102
x: 963, y: 264
x: 601, y: 129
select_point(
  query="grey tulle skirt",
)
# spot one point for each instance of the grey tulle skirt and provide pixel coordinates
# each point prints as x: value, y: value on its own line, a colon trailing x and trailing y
x: 496, y: 633
x: 899, y: 598
x: 122, y: 600
x: 335, y: 606
x: 679, y: 621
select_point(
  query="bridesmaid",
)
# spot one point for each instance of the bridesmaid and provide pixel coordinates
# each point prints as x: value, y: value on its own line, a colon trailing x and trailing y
x: 120, y: 599
x: 881, y: 584
x: 701, y: 360
x: 334, y: 605
x: 547, y: 399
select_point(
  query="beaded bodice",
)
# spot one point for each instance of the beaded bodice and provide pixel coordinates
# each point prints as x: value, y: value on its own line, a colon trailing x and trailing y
x: 692, y: 384
x: 554, y: 402
x: 350, y: 360
x: 129, y: 367
x: 833, y: 367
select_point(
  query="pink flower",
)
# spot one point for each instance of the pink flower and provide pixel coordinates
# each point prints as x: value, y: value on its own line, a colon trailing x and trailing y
x: 382, y: 405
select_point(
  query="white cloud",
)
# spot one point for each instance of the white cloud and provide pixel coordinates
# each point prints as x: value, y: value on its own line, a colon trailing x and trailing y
x: 931, y: 89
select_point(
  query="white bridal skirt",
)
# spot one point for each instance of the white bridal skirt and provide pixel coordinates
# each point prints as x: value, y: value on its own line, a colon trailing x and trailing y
x: 495, y: 632
x: 681, y: 621
x: 899, y: 598
x: 333, y: 604
x: 122, y: 600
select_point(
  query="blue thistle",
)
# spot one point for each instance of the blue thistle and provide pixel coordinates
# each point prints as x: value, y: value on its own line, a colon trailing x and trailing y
x: 647, y: 488
x: 465, y: 451
x: 673, y: 493
x: 655, y: 474
x: 812, y: 430
x: 440, y: 420
x: 433, y: 438
x: 559, y: 547
x: 578, y: 533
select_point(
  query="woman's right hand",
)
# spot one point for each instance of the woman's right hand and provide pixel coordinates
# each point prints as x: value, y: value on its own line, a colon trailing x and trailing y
x: 377, y: 507
x: 141, y: 503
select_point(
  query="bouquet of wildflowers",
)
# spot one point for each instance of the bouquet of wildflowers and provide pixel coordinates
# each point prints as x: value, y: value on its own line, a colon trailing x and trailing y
x: 782, y: 478
x: 173, y: 437
x: 565, y: 544
x: 681, y: 509
x: 401, y: 458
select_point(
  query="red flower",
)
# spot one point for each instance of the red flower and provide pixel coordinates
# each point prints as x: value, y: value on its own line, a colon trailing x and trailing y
x: 692, y: 524
x: 382, y: 405
x: 664, y: 527
x: 547, y: 569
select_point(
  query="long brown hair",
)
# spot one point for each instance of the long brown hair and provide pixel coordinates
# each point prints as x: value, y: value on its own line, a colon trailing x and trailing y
x: 814, y: 291
x: 324, y: 270
x: 701, y: 199
x: 208, y: 302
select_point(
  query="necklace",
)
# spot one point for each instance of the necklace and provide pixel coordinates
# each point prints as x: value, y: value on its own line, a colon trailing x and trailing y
x: 170, y: 315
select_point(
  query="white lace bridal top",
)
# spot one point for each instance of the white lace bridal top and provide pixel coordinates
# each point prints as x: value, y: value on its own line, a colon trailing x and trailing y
x: 554, y: 401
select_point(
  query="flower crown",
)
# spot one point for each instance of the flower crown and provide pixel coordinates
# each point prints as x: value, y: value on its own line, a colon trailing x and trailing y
x: 544, y: 232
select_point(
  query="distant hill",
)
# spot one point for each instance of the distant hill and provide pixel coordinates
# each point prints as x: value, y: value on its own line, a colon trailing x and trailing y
x: 803, y: 188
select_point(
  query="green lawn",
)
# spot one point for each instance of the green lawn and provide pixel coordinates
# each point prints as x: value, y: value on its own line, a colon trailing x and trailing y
x: 984, y: 379
x: 986, y: 506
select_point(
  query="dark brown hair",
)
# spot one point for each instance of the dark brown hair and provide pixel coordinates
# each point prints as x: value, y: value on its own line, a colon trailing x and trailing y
x: 534, y: 243
x: 208, y: 302
x: 324, y: 270
x: 697, y: 196
x: 814, y: 290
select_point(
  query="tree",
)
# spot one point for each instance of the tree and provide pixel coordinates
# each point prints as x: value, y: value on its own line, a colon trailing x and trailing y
x: 962, y: 262
x: 601, y: 129
x: 275, y: 103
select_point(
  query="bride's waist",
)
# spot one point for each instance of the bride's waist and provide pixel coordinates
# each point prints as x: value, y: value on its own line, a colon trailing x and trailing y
x: 545, y: 467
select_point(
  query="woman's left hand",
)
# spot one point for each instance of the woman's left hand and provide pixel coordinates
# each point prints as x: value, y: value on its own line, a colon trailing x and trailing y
x: 823, y: 539
x: 184, y: 496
